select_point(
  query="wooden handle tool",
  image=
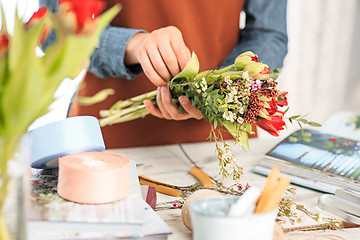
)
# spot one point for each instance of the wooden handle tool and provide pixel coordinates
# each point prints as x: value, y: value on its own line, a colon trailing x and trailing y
x: 204, y: 179
x: 273, y: 192
x: 160, y: 187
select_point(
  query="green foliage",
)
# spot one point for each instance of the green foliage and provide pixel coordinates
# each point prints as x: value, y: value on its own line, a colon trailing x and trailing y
x: 28, y: 82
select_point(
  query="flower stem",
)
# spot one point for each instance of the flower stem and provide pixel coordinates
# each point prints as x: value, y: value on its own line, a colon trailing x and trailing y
x: 7, y: 149
x: 123, y: 104
x: 225, y: 69
x: 125, y: 115
x: 4, y: 232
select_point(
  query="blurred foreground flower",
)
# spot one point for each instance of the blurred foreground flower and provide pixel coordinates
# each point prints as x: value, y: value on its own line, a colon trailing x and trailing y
x: 28, y: 82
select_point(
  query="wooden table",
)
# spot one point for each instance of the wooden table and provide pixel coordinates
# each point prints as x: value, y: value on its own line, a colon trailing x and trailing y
x: 169, y: 164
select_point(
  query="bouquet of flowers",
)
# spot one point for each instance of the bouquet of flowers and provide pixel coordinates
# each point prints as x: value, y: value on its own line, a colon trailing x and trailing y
x: 28, y: 82
x: 232, y: 99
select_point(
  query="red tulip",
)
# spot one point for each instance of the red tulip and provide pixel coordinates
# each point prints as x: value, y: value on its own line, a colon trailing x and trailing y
x: 245, y: 59
x: 258, y: 70
x: 273, y: 124
x: 80, y: 16
x: 283, y: 101
x: 36, y: 18
x: 4, y: 43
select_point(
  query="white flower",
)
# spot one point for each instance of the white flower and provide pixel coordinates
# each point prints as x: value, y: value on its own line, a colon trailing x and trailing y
x: 203, y: 84
x: 227, y: 155
x: 228, y: 80
x: 302, y: 218
x: 230, y: 116
x: 240, y: 120
x: 231, y: 97
x: 293, y: 208
x: 196, y: 85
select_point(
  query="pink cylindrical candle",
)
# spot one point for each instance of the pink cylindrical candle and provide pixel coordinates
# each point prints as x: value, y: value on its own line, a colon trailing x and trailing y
x: 94, y: 177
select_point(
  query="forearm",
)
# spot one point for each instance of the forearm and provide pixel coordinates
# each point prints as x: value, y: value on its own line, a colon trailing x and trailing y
x: 108, y: 58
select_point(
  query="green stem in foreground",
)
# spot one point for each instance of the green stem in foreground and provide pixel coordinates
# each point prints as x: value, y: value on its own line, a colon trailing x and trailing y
x: 125, y: 115
x: 8, y: 146
x: 129, y: 102
x: 4, y: 232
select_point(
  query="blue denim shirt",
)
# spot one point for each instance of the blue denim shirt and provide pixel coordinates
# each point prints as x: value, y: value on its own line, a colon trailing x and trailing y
x: 265, y: 33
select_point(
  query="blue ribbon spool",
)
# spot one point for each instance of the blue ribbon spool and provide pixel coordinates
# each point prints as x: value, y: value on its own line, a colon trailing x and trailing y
x: 68, y: 136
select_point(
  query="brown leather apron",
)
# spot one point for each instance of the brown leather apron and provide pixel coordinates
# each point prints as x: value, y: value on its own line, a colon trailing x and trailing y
x: 209, y: 27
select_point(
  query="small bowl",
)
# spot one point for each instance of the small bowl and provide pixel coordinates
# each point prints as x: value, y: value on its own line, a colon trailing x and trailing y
x: 210, y: 220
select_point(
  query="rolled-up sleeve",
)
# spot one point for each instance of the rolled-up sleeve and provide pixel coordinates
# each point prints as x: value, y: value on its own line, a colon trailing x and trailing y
x: 108, y: 57
x: 265, y: 32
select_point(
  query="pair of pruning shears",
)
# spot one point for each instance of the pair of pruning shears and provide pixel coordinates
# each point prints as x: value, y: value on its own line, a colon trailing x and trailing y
x: 173, y: 190
x: 176, y: 191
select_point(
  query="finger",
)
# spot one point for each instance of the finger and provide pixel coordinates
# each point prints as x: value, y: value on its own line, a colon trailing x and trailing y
x: 152, y: 109
x: 171, y: 108
x: 180, y: 49
x: 193, y: 111
x: 166, y: 99
x: 169, y: 58
x: 161, y: 105
x: 148, y: 69
x: 156, y: 59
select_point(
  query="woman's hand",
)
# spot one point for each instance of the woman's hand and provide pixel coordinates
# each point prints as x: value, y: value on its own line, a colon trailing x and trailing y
x: 170, y: 111
x: 162, y: 54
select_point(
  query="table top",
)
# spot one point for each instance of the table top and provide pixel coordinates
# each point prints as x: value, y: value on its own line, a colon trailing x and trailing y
x: 170, y: 165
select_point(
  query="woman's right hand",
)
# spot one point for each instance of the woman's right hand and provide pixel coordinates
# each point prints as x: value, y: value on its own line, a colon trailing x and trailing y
x: 162, y: 53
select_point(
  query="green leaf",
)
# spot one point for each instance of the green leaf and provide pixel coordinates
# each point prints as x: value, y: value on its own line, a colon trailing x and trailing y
x: 314, y: 124
x: 3, y: 22
x: 294, y: 117
x: 303, y: 121
x: 190, y: 71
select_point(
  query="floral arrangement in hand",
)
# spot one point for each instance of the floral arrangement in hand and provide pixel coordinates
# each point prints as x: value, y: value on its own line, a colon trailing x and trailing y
x: 28, y: 82
x: 231, y: 99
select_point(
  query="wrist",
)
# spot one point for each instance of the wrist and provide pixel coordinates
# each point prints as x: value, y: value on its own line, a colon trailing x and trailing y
x: 130, y: 57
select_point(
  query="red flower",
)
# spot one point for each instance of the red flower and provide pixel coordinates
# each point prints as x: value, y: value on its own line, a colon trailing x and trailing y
x: 245, y: 59
x: 273, y: 124
x: 36, y: 18
x: 80, y: 15
x: 4, y: 43
x: 257, y: 70
x: 333, y: 139
x: 283, y: 101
